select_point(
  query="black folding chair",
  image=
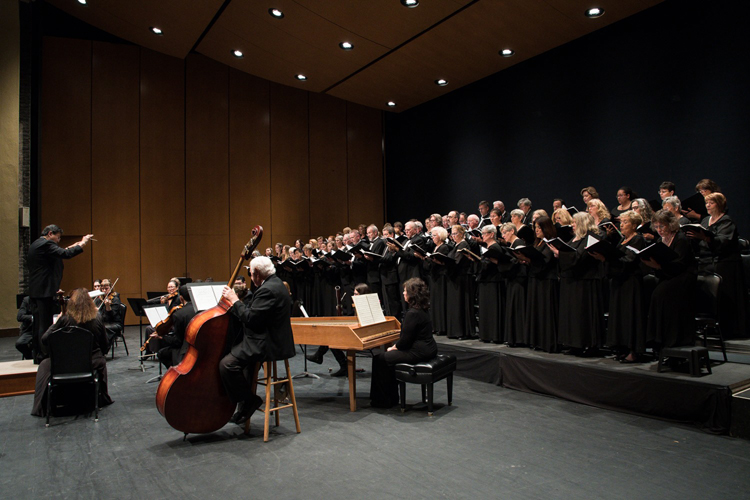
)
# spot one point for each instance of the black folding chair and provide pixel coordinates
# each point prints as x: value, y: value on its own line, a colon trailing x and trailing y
x: 70, y: 363
x: 707, y: 310
x: 121, y: 332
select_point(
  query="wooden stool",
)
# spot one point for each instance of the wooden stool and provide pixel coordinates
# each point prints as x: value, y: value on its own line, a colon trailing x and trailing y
x: 276, y: 403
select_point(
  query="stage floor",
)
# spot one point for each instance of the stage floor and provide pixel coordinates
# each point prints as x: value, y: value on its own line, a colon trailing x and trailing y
x: 602, y: 382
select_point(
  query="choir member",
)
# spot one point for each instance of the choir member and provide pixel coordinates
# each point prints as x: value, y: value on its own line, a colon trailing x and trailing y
x: 538, y: 213
x: 625, y: 198
x: 670, y: 318
x: 643, y: 208
x: 626, y: 331
x: 704, y: 187
x: 437, y: 274
x: 672, y: 203
x: 460, y: 314
x: 589, y: 193
x: 581, y: 323
x: 724, y: 259
x: 490, y: 288
x: 389, y: 278
x: 666, y: 189
x: 524, y: 204
x: 484, y: 212
x: 513, y: 273
x: 543, y: 290
x: 598, y: 211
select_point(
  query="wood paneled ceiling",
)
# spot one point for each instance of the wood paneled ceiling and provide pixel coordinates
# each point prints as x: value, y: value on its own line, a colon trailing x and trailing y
x: 398, y: 52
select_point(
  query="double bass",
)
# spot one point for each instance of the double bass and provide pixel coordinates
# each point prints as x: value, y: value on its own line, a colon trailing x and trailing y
x: 190, y: 395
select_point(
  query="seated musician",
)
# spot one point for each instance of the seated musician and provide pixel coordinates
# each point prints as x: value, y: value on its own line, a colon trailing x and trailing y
x: 110, y: 310
x: 173, y: 343
x: 416, y: 344
x: 81, y: 312
x: 26, y: 330
x: 267, y: 336
x: 171, y: 299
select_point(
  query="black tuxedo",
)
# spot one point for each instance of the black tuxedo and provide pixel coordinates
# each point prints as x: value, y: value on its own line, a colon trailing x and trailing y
x: 267, y: 336
x: 528, y: 217
x: 484, y: 221
x: 373, y: 268
x: 45, y: 263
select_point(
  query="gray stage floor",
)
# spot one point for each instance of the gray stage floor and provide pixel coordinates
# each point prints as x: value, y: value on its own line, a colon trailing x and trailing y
x: 492, y: 443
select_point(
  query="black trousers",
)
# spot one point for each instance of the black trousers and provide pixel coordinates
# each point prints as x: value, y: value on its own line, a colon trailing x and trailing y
x: 238, y: 375
x: 43, y: 309
x: 383, y: 385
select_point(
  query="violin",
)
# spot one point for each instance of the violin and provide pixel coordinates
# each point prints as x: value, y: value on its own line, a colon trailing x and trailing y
x: 191, y: 396
x: 164, y: 326
x: 62, y: 301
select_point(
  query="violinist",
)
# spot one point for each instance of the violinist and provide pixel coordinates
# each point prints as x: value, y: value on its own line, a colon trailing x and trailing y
x: 171, y: 299
x: 110, y: 310
x: 174, y: 345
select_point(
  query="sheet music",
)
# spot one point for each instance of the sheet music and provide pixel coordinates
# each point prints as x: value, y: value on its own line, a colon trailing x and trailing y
x: 206, y: 296
x: 95, y: 293
x: 368, y: 308
x: 156, y: 314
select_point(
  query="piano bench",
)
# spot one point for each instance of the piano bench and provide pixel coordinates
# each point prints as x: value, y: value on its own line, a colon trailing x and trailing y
x: 426, y: 373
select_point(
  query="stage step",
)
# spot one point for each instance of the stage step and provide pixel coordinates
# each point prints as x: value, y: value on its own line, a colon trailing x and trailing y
x: 740, y: 426
x: 17, y: 377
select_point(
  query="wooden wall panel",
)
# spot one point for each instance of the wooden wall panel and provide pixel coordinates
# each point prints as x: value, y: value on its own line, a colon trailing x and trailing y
x: 114, y: 166
x: 65, y: 141
x: 207, y: 168
x: 329, y: 209
x: 290, y: 185
x: 365, y: 161
x: 162, y: 169
x: 249, y: 161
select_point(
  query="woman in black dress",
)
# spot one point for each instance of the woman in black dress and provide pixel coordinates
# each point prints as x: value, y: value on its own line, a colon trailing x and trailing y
x: 490, y: 289
x: 514, y: 274
x: 543, y: 291
x: 81, y: 312
x: 625, y: 198
x: 598, y: 210
x: 416, y: 344
x: 723, y: 258
x: 581, y: 323
x: 626, y: 329
x: 438, y: 280
x: 671, y: 321
x: 460, y: 314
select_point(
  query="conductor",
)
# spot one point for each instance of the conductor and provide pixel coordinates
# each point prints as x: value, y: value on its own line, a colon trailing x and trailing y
x: 267, y: 336
x: 45, y: 263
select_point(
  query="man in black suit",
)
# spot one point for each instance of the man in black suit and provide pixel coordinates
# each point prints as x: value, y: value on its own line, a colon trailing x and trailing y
x: 408, y: 264
x: 484, y: 213
x: 504, y: 214
x: 377, y: 245
x: 525, y: 205
x: 389, y: 279
x: 45, y: 263
x: 267, y: 336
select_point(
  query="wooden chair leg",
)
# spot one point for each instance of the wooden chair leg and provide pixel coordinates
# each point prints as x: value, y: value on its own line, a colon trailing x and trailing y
x: 275, y: 392
x: 269, y: 378
x: 291, y: 396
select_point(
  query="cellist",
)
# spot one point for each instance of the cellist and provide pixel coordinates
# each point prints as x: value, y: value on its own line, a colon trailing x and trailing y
x: 267, y: 336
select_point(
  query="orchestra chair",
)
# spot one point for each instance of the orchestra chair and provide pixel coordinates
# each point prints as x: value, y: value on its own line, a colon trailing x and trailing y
x: 281, y: 398
x: 707, y: 310
x: 426, y: 373
x: 70, y: 363
x: 121, y: 332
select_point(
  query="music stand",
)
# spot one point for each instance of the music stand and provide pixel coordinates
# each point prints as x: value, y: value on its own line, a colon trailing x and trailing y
x: 137, y: 304
x: 305, y: 373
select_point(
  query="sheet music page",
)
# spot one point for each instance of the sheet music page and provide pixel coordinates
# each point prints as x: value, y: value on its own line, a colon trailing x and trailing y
x: 156, y: 314
x: 95, y: 293
x: 368, y: 309
x: 482, y: 250
x: 204, y: 297
x: 217, y: 289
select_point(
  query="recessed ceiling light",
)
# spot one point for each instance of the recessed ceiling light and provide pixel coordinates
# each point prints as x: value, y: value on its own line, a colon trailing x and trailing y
x: 410, y: 3
x: 276, y: 13
x: 442, y: 82
x: 346, y: 45
x: 507, y: 52
x: 156, y: 31
x: 391, y: 104
x: 301, y: 77
x: 595, y: 12
x: 82, y: 2
x: 237, y: 53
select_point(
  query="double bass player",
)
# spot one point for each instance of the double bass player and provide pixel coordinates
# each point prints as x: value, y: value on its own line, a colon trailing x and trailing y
x: 267, y: 336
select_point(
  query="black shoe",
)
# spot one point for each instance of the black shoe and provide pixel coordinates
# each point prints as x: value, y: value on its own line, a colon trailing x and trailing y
x: 246, y: 410
x: 315, y: 358
x: 342, y: 372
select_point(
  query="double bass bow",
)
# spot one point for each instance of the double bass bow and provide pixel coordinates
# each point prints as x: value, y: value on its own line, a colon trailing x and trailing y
x: 190, y: 395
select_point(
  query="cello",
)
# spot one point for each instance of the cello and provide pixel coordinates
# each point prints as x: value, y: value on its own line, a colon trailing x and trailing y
x: 190, y: 395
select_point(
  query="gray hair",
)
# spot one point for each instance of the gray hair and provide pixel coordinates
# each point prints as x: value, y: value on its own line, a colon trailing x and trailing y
x: 517, y: 212
x: 473, y: 217
x: 524, y: 202
x: 489, y: 228
x: 672, y: 200
x: 263, y: 266
x: 440, y: 232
